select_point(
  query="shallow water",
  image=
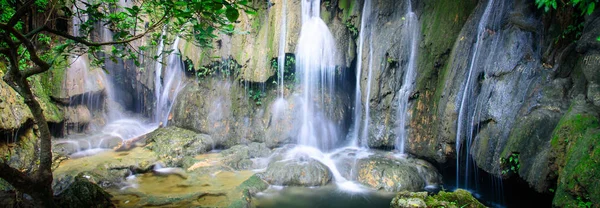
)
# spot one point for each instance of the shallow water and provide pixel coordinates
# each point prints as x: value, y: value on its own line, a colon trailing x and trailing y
x: 327, y: 196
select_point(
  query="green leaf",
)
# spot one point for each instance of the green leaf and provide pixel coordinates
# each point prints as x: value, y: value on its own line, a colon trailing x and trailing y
x: 591, y: 8
x: 232, y: 14
x: 598, y: 39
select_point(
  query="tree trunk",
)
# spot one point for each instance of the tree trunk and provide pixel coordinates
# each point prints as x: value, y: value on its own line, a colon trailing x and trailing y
x: 39, y: 184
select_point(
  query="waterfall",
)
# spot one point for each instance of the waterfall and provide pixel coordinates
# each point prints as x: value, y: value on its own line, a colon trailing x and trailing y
x: 366, y: 15
x: 280, y: 103
x: 158, y: 74
x: 408, y: 83
x: 315, y: 68
x: 281, y: 57
x: 172, y: 84
x: 467, y: 94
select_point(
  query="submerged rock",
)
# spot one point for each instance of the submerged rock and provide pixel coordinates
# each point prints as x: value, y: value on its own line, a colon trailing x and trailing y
x: 458, y: 198
x: 173, y: 144
x: 297, y: 172
x: 80, y: 192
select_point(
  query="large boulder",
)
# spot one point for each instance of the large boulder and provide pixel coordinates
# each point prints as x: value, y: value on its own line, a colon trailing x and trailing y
x: 173, y: 144
x: 297, y: 172
x: 387, y: 171
x: 392, y: 174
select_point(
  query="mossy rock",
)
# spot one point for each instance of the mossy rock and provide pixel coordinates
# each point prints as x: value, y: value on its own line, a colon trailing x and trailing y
x: 297, y: 172
x: 248, y: 188
x: 80, y: 192
x: 173, y: 144
x: 239, y: 157
x: 576, y: 142
x: 459, y: 198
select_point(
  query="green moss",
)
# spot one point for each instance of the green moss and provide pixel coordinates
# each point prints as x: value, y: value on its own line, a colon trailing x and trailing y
x: 573, y: 127
x: 248, y: 188
x: 576, y: 142
x: 347, y: 7
x: 441, y: 28
x: 42, y: 91
x: 458, y: 198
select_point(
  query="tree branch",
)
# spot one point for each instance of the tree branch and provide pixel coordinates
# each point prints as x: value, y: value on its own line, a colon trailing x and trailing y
x: 16, y: 178
x: 42, y: 65
x: 34, y: 32
x: 19, y: 13
x: 88, y: 43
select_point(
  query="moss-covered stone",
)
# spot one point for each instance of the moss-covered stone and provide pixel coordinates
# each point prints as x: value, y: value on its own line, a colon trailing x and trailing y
x: 458, y: 198
x: 576, y: 142
x: 173, y: 144
x: 297, y: 172
x: 248, y: 188
x: 240, y: 157
x: 80, y: 192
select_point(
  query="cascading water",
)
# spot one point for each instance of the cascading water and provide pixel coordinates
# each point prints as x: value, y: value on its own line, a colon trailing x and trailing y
x: 173, y: 83
x: 119, y: 125
x: 280, y: 104
x: 365, y: 131
x: 366, y: 15
x: 158, y: 74
x: 408, y: 83
x: 467, y: 94
x: 315, y: 69
x: 281, y: 57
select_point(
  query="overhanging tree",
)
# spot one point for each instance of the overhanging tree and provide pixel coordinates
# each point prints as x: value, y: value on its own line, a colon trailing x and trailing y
x: 27, y: 49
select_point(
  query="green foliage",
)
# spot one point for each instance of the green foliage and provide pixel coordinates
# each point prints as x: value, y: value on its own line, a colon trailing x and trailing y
x: 584, y: 203
x: 585, y: 7
x: 510, y: 164
x: 225, y: 68
x: 256, y: 95
x: 289, y: 68
x: 193, y: 20
x: 350, y: 26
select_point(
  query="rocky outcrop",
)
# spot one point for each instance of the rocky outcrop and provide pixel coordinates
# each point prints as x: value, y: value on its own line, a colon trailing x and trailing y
x: 458, y: 198
x: 223, y: 109
x: 441, y: 23
x: 575, y: 155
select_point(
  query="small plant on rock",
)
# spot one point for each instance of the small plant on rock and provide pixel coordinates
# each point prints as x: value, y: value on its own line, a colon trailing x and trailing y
x: 510, y: 164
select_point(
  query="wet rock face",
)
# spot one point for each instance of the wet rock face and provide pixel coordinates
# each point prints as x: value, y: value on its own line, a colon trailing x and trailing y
x: 224, y: 110
x: 173, y: 144
x: 80, y: 192
x: 297, y: 172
